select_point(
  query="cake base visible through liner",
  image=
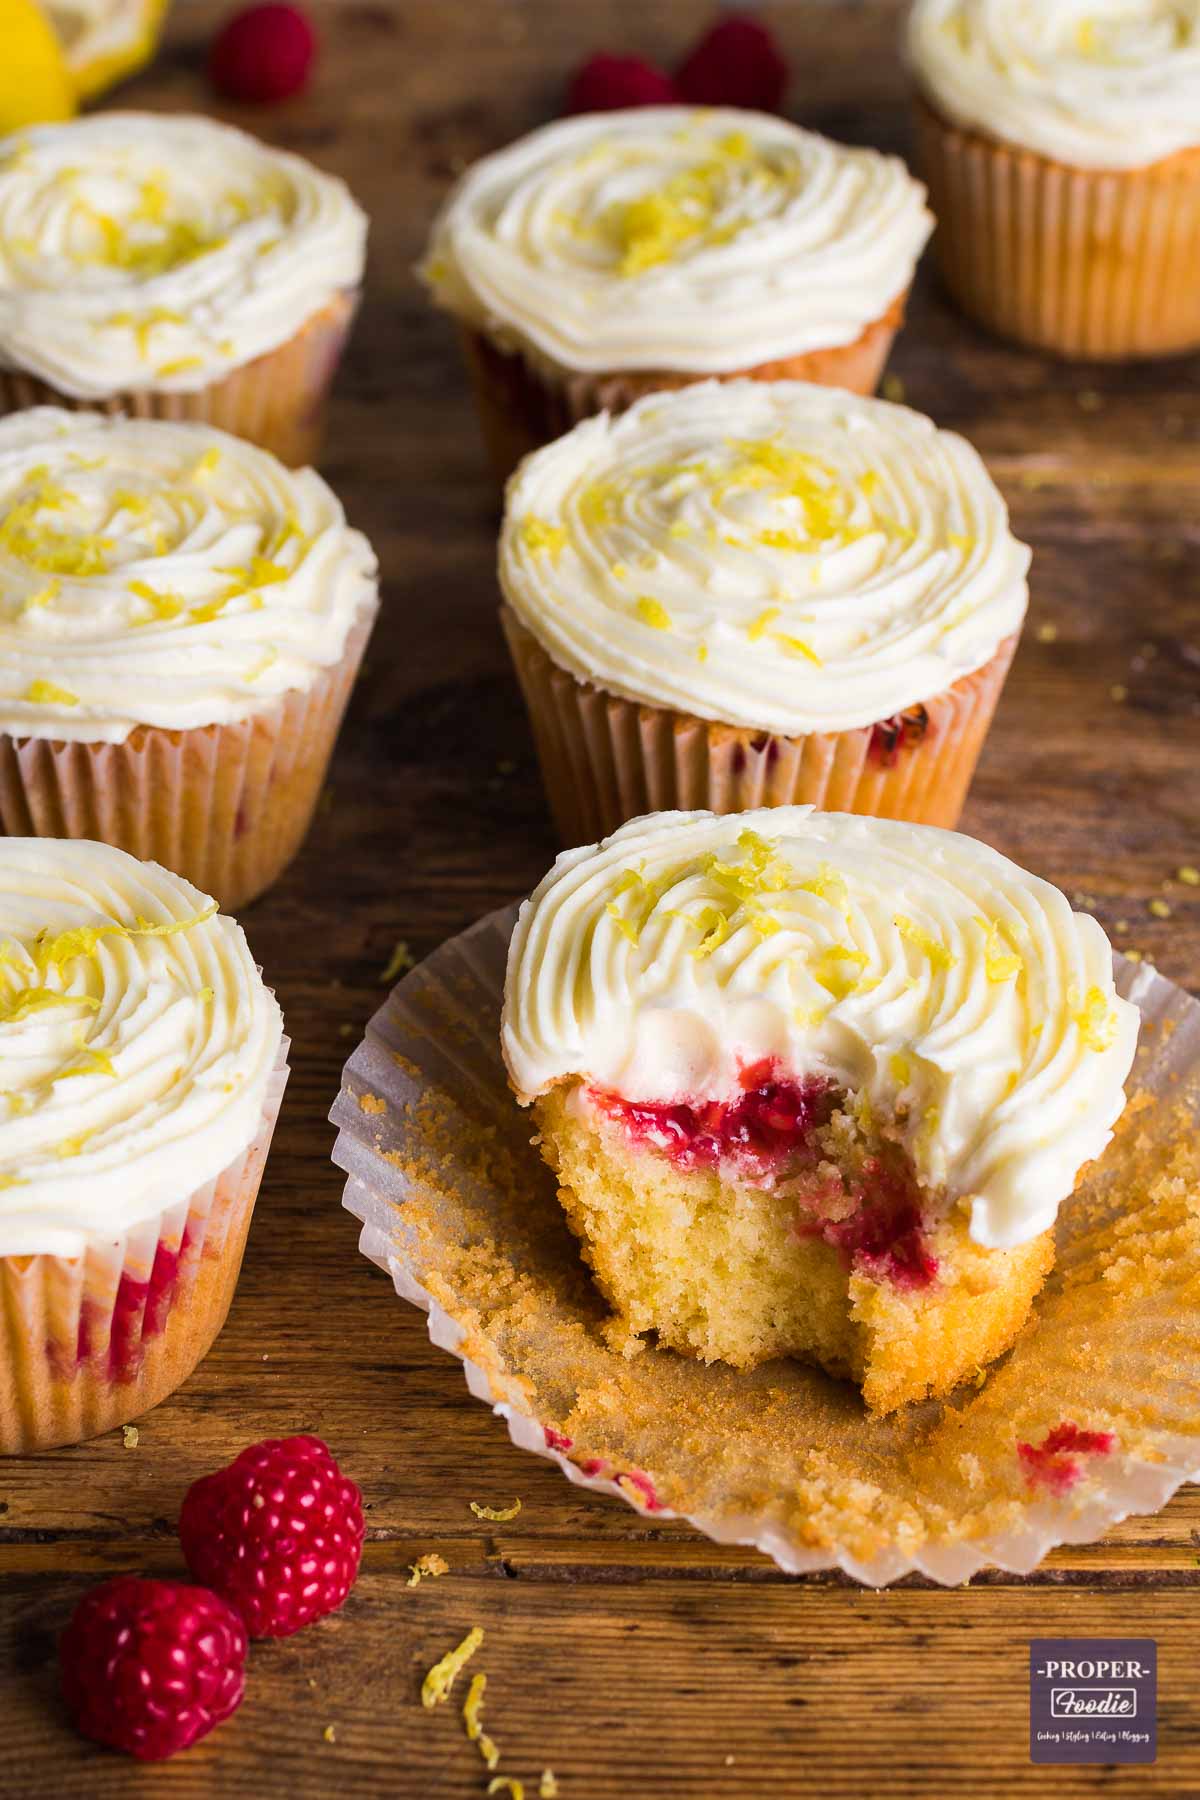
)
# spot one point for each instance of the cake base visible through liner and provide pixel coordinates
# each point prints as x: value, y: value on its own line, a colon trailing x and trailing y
x: 782, y: 1222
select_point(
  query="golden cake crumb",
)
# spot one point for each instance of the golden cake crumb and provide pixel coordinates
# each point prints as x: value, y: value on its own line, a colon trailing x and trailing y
x: 371, y: 1103
x: 129, y: 1437
x: 431, y: 1565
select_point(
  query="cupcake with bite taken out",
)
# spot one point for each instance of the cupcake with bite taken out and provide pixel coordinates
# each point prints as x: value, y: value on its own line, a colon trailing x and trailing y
x: 616, y: 254
x: 143, y: 1065
x: 814, y: 1085
x: 749, y: 593
x: 171, y: 267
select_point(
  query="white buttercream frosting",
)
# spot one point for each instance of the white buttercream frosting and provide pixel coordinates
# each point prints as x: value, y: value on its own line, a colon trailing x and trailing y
x: 914, y: 966
x: 665, y: 238
x: 1095, y: 83
x: 774, y: 555
x: 159, y: 251
x: 162, y: 574
x: 136, y: 1043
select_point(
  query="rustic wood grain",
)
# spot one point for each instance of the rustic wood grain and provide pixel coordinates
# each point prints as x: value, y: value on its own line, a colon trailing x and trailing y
x: 634, y: 1660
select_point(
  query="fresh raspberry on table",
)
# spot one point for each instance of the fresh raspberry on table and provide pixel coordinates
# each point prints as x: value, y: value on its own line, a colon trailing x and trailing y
x: 263, y: 53
x: 605, y: 83
x: 151, y: 1666
x: 737, y: 63
x: 278, y: 1532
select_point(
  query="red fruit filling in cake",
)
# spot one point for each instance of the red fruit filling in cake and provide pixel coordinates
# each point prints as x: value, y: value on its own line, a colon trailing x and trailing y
x: 890, y: 736
x: 770, y: 1133
x: 1054, y: 1462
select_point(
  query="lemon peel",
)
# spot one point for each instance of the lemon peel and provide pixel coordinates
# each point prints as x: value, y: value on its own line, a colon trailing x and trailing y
x: 500, y: 1515
x: 937, y: 953
x: 427, y: 1567
x: 472, y: 1720
x: 538, y: 535
x: 435, y: 1689
x: 35, y: 84
x: 653, y: 613
x: 1095, y: 1019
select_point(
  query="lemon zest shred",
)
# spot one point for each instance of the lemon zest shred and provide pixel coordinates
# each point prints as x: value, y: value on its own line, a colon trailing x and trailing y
x: 937, y: 953
x: 499, y: 1515
x: 1000, y: 959
x: 398, y: 963
x: 435, y: 1689
x: 829, y: 969
x: 539, y: 534
x: 758, y: 627
x: 48, y: 693
x: 499, y: 1783
x: 1096, y: 1020
x: 472, y: 1710
x: 653, y: 613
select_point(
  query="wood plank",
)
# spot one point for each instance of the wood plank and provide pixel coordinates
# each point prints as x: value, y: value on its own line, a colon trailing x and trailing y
x: 633, y: 1658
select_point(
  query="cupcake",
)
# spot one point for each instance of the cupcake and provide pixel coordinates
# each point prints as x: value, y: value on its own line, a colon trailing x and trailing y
x: 144, y: 1064
x: 748, y: 593
x: 181, y: 622
x: 1061, y: 144
x: 616, y: 254
x: 103, y: 41
x: 814, y: 1085
x: 170, y: 267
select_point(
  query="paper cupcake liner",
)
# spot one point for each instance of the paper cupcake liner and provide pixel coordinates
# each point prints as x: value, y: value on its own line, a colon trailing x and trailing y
x: 1086, y: 262
x: 277, y: 401
x: 457, y: 1207
x: 523, y: 404
x: 605, y: 760
x: 225, y: 806
x: 92, y: 1341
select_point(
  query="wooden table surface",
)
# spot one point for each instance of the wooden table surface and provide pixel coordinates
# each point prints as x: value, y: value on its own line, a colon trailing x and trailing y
x: 634, y: 1659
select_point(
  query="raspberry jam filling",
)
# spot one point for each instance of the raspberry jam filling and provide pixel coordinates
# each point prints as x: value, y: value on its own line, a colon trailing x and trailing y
x: 1054, y: 1463
x: 763, y: 1126
x: 890, y: 736
x: 769, y: 1132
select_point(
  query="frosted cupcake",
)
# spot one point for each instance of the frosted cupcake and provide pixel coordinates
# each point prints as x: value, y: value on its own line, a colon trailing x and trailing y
x: 614, y: 254
x: 746, y: 594
x: 1061, y: 144
x: 170, y: 267
x: 143, y: 1064
x: 181, y: 622
x: 105, y: 40
x: 814, y: 1086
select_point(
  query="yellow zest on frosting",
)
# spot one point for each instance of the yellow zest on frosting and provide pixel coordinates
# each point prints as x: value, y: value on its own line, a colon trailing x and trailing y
x: 936, y: 952
x: 653, y: 613
x: 759, y: 626
x: 537, y: 535
x: 435, y: 1689
x: 48, y: 693
x: 1000, y: 957
x: 1096, y: 1019
x: 834, y: 969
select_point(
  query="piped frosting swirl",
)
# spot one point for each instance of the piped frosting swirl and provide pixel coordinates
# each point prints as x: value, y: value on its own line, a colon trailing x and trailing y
x: 773, y: 555
x: 664, y: 238
x: 136, y: 1042
x: 918, y: 968
x: 1094, y: 83
x: 147, y: 251
x: 162, y: 574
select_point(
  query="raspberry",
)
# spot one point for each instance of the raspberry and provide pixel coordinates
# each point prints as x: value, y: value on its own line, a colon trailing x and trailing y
x: 151, y: 1666
x: 606, y: 83
x: 737, y: 63
x: 278, y: 1532
x: 263, y: 53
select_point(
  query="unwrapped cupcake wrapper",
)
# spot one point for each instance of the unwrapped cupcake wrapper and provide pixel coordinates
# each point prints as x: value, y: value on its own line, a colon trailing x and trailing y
x: 94, y: 1340
x: 523, y: 403
x: 278, y: 401
x: 1086, y: 262
x: 457, y: 1207
x: 225, y: 806
x: 605, y: 760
